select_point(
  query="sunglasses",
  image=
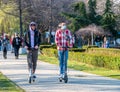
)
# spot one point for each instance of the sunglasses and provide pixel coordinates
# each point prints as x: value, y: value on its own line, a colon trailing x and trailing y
x: 33, y: 25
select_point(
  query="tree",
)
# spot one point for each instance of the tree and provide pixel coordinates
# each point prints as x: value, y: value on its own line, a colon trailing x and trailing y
x: 79, y: 17
x: 37, y: 10
x: 9, y: 18
x: 108, y: 20
x: 40, y: 11
x: 92, y: 15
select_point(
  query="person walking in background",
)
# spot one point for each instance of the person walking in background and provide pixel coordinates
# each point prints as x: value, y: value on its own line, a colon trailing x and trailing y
x: 5, y: 42
x: 64, y: 41
x: 106, y: 42
x: 98, y: 41
x: 11, y: 40
x: 32, y: 41
x: 16, y: 43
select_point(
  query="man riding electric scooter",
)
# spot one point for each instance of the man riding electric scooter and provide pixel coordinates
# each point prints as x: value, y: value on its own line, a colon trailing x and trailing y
x: 32, y: 42
x: 64, y: 41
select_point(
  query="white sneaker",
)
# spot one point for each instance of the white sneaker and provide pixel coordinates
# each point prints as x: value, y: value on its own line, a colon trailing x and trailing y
x: 61, y: 75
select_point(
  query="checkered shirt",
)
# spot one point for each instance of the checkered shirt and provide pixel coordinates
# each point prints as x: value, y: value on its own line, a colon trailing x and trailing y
x: 64, y: 39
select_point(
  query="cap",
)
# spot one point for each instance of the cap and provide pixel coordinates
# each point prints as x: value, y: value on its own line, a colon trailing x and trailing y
x: 32, y: 23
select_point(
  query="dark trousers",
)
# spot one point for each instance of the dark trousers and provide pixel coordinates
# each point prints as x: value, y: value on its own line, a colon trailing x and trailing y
x: 16, y: 51
x: 5, y: 52
x: 32, y: 57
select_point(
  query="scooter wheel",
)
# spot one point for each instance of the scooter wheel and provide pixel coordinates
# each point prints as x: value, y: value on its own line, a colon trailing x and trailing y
x: 60, y: 79
x: 33, y: 80
x: 66, y: 79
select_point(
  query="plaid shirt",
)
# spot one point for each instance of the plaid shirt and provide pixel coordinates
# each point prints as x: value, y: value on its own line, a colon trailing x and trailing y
x: 63, y: 39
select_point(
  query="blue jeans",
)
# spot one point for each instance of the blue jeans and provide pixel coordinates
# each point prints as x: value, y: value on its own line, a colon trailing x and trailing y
x: 63, y: 57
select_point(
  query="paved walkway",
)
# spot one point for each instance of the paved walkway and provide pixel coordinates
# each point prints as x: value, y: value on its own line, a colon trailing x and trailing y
x: 47, y: 78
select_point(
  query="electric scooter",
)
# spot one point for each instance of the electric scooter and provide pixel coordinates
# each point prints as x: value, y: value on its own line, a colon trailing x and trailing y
x: 31, y: 77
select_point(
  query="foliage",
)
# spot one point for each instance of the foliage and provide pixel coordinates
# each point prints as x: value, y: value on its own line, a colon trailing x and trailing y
x: 108, y: 20
x: 47, y: 46
x: 42, y: 47
x: 7, y: 86
x: 92, y: 11
x: 39, y: 11
x: 8, y: 23
x: 79, y: 18
x: 83, y: 67
x: 107, y: 58
x: 90, y: 46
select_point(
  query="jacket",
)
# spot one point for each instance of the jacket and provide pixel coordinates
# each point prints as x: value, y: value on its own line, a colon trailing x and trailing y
x: 15, y: 43
x: 27, y: 39
x: 63, y: 40
x: 5, y: 43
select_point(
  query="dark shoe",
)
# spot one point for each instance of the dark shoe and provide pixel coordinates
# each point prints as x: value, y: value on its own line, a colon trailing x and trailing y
x: 5, y: 57
x: 16, y: 57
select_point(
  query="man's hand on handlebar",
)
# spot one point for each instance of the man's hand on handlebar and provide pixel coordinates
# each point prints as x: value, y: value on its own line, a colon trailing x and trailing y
x: 26, y: 47
x: 36, y: 47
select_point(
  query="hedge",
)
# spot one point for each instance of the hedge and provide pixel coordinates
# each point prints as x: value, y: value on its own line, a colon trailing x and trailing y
x: 48, y: 46
x: 54, y: 47
x: 105, y: 52
x: 96, y: 57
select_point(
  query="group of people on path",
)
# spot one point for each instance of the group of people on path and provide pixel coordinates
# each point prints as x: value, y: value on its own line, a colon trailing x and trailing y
x: 16, y: 42
x: 32, y: 40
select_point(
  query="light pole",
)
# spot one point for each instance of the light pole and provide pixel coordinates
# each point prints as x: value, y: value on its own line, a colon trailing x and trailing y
x: 20, y: 17
x: 51, y: 20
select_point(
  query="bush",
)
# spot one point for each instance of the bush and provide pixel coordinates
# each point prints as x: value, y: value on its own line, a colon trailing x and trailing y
x: 90, y: 46
x: 106, y: 52
x: 107, y: 58
x: 77, y: 50
x: 55, y: 47
x: 50, y: 52
x: 47, y: 46
x: 96, y: 60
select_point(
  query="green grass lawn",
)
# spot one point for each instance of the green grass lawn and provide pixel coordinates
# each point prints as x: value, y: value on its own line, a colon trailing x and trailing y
x: 84, y: 67
x: 8, y: 86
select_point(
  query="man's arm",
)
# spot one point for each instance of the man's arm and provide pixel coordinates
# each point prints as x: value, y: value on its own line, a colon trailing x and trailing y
x: 13, y: 41
x: 57, y: 38
x: 72, y: 40
x: 25, y: 40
